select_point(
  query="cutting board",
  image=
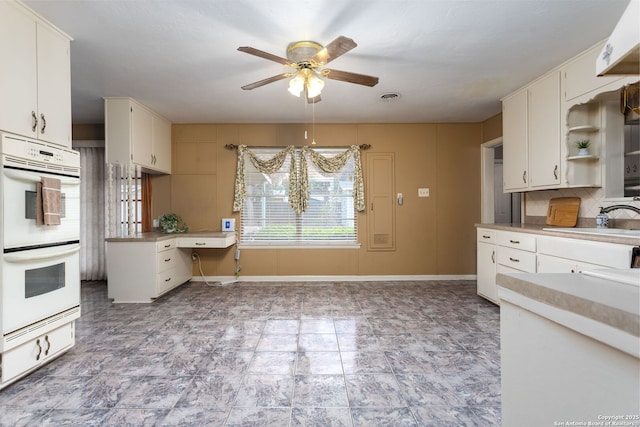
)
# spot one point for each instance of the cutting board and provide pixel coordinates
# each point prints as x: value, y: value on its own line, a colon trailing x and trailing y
x: 563, y: 211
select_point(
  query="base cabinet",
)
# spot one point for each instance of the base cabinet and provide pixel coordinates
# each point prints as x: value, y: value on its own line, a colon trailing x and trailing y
x: 552, y: 374
x: 26, y: 357
x: 486, y: 276
x: 501, y: 251
x: 142, y: 271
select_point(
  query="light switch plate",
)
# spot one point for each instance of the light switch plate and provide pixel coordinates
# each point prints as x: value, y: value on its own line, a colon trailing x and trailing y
x: 423, y: 192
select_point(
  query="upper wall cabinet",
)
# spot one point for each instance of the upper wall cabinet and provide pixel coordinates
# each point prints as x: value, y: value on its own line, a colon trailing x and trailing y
x: 544, y: 132
x: 531, y: 136
x: 515, y: 141
x: 35, y: 80
x: 135, y: 134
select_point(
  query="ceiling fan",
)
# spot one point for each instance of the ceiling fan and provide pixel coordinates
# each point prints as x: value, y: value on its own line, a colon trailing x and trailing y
x: 308, y: 59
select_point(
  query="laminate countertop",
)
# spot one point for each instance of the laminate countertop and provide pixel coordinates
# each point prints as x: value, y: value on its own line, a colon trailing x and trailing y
x: 156, y: 236
x: 547, y: 230
x: 590, y: 303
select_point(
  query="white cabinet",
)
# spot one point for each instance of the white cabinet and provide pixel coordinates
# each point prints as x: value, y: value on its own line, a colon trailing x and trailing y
x: 580, y: 74
x: 502, y: 251
x: 35, y: 79
x: 136, y: 134
x: 544, y: 132
x: 514, y: 136
x: 486, y: 277
x: 558, y: 255
x: 516, y: 251
x: 26, y: 357
x: 142, y: 271
x: 531, y: 136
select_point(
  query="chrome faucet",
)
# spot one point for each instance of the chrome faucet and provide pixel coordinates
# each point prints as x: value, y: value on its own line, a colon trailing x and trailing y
x: 602, y: 220
x: 616, y: 207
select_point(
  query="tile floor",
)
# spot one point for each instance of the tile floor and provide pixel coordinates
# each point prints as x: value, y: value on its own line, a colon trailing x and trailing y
x: 267, y: 354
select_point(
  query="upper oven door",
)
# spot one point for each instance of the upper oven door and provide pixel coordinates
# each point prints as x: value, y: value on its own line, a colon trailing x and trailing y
x: 19, y: 210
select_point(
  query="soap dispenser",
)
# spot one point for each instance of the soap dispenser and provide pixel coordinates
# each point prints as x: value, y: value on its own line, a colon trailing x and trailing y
x: 602, y: 220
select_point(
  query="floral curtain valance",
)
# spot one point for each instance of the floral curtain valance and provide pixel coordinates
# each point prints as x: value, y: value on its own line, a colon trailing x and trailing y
x: 298, y: 174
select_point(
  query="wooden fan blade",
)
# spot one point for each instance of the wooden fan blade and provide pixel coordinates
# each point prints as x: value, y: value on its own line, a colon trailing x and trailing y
x: 333, y: 50
x: 266, y: 81
x: 345, y: 76
x: 265, y: 55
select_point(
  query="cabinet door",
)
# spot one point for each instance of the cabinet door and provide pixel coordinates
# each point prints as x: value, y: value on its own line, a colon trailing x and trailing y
x: 381, y: 209
x: 54, y: 87
x: 18, y: 71
x: 544, y: 131
x: 486, y: 276
x: 161, y: 145
x: 514, y: 130
x: 142, y: 135
x: 550, y: 264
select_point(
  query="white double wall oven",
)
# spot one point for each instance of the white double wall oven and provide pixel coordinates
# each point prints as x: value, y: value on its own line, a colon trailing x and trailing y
x: 40, y: 263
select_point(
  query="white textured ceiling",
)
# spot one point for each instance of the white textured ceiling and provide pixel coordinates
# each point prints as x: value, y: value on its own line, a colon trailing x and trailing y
x: 450, y: 60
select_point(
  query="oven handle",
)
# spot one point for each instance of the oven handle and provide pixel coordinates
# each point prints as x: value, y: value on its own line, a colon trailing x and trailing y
x: 32, y: 177
x: 41, y: 254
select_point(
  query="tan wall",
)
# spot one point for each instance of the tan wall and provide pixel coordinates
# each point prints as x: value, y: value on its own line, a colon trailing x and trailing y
x: 89, y: 132
x: 434, y: 235
x: 492, y: 128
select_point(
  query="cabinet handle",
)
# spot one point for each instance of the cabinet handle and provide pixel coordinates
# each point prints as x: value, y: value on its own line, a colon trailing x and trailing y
x: 524, y: 177
x: 572, y: 270
x: 167, y: 246
x: 515, y: 242
x: 46, y: 339
x: 555, y: 172
x: 200, y: 244
x: 493, y: 257
x: 486, y: 237
x: 39, y: 349
x: 168, y: 279
x: 167, y: 260
x: 34, y: 121
x: 514, y: 259
x: 44, y: 123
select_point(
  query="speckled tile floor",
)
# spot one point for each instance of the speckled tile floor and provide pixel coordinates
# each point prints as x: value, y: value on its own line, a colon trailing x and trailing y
x: 268, y: 354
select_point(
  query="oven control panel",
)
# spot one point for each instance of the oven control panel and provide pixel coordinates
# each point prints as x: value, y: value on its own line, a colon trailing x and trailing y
x: 35, y: 151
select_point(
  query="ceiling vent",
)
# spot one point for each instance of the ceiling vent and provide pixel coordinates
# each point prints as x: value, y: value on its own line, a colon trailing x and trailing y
x: 391, y: 96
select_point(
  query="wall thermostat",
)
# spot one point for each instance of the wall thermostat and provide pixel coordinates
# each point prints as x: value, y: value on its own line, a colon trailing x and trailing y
x: 228, y: 224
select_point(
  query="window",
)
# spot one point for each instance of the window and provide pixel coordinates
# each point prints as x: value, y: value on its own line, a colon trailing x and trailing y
x: 267, y: 219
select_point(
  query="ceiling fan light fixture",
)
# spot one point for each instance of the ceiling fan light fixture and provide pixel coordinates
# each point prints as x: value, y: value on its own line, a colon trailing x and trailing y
x: 296, y: 84
x: 314, y: 85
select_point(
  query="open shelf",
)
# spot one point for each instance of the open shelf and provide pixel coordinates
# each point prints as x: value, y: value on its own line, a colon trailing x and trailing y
x: 583, y: 128
x: 589, y: 157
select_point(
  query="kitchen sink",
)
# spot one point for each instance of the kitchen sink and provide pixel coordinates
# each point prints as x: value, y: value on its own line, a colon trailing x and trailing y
x: 613, y: 232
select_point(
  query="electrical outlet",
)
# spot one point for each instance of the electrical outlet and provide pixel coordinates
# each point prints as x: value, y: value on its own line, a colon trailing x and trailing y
x: 423, y: 192
x: 194, y: 256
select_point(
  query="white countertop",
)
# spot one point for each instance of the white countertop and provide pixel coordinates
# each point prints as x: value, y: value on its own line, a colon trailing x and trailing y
x: 592, y: 304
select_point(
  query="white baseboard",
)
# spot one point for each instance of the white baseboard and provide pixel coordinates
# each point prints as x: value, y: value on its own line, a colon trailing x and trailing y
x: 400, y: 278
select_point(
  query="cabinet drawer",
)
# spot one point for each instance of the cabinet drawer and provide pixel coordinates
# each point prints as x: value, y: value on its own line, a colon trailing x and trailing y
x: 166, y: 259
x: 526, y: 242
x: 165, y: 281
x: 22, y: 359
x: 224, y: 240
x: 488, y: 236
x: 165, y: 245
x: 517, y: 259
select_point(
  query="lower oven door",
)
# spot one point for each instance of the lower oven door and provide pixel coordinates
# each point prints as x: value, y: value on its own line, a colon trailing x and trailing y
x: 38, y: 283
